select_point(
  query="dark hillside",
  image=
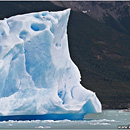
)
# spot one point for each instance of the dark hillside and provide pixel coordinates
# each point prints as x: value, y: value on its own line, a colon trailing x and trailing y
x: 103, y: 57
x: 8, y: 8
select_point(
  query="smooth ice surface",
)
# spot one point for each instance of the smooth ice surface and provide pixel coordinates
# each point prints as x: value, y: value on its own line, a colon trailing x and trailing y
x: 37, y: 75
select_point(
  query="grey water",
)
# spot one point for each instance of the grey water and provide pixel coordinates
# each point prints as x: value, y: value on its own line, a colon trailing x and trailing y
x: 108, y: 119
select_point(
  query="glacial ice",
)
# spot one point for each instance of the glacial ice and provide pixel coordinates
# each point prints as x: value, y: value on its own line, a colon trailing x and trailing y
x: 37, y: 75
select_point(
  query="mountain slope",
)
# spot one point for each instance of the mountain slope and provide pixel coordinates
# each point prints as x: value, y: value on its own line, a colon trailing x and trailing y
x: 102, y: 55
x: 115, y: 14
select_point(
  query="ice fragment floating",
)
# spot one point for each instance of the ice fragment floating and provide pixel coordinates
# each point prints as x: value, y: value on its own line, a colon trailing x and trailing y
x: 37, y: 75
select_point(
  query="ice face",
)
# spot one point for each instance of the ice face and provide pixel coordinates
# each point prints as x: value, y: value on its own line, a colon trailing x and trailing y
x: 37, y: 75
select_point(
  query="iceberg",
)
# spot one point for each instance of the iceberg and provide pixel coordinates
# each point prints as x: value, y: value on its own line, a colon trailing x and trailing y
x: 37, y: 75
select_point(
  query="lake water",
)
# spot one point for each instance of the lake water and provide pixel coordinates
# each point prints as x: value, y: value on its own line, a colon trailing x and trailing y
x: 108, y: 119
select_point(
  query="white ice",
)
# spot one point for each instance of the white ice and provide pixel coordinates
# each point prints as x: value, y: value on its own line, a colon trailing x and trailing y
x: 37, y: 75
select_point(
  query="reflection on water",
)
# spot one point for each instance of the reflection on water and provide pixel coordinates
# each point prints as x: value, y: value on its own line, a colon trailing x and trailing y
x: 108, y: 119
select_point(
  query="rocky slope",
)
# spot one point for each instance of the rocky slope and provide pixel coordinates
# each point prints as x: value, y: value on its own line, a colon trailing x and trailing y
x: 114, y: 14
